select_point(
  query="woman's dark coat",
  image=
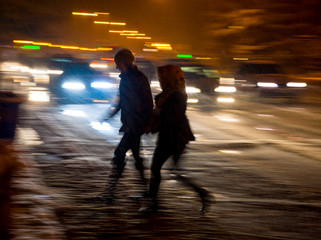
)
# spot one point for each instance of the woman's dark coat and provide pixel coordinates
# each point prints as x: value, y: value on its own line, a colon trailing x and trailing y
x: 174, y: 128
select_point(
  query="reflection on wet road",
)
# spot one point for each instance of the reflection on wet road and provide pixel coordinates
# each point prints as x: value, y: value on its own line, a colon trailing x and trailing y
x: 260, y: 161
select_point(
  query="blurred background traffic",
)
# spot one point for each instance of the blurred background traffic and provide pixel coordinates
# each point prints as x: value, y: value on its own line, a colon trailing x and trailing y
x: 63, y: 53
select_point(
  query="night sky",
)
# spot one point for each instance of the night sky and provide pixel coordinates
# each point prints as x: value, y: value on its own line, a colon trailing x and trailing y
x: 163, y: 20
x: 223, y: 29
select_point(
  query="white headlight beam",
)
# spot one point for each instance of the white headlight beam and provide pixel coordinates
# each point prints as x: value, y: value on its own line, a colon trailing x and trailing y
x: 267, y: 84
x: 73, y: 86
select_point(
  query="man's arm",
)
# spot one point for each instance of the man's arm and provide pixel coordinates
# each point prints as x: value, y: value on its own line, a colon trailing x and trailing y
x: 113, y: 110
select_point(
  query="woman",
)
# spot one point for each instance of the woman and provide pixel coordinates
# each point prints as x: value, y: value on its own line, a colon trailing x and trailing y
x: 174, y: 130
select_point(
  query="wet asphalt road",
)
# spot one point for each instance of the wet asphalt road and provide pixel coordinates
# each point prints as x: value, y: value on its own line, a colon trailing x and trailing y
x: 265, y: 182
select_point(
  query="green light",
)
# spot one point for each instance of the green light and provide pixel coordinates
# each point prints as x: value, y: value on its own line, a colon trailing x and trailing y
x: 61, y: 60
x: 30, y: 47
x: 184, y: 56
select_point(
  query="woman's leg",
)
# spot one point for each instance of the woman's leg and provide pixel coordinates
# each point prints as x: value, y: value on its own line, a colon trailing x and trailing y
x: 160, y: 156
x: 204, y: 195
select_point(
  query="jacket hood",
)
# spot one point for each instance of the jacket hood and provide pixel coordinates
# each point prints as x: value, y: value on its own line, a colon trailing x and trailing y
x: 171, y: 78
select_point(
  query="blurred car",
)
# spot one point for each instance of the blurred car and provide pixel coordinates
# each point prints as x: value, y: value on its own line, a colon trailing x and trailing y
x: 226, y: 91
x: 199, y: 78
x: 268, y: 79
x: 79, y: 83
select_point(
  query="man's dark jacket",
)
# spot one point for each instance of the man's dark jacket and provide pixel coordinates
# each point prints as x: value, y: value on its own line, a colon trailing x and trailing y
x: 135, y: 100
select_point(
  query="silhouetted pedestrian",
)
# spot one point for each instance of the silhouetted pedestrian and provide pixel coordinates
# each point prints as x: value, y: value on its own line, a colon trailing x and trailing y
x: 174, y: 131
x: 136, y: 106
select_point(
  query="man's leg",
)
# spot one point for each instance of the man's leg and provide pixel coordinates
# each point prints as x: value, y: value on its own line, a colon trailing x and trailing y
x: 118, y: 165
x: 139, y: 162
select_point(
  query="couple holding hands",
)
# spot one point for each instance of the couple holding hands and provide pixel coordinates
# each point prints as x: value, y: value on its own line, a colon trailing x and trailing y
x: 139, y: 116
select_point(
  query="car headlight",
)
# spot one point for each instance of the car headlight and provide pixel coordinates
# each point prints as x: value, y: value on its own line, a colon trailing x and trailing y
x: 225, y: 89
x: 39, y: 96
x: 296, y: 84
x: 267, y: 84
x: 101, y: 85
x: 192, y: 90
x: 73, y: 85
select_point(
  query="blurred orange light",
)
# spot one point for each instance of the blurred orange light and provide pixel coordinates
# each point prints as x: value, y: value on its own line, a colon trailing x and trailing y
x: 164, y: 48
x: 42, y: 43
x: 22, y: 41
x: 133, y: 34
x: 88, y: 49
x: 85, y: 14
x: 129, y: 31
x: 240, y: 59
x: 104, y: 49
x: 160, y: 45
x: 203, y: 58
x: 101, y: 13
x: 69, y: 47
x: 139, y: 37
x: 63, y: 46
x: 117, y: 23
x: 52, y: 45
x: 100, y: 22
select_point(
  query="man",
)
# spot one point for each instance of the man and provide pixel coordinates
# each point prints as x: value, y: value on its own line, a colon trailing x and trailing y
x: 136, y: 106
